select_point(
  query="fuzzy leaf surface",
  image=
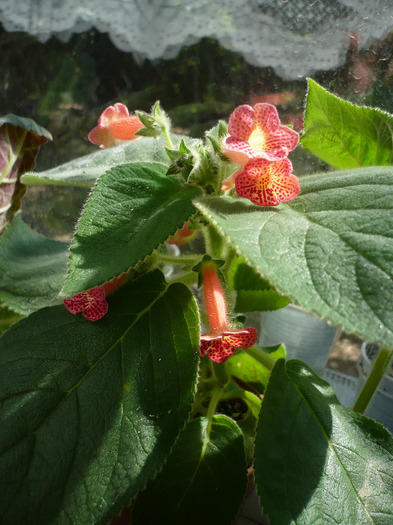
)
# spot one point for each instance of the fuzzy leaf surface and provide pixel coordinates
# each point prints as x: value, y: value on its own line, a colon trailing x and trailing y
x: 315, y: 460
x: 131, y: 211
x: 345, y: 135
x: 84, y: 171
x: 330, y: 250
x: 203, y: 481
x: 85, y: 426
x: 32, y: 268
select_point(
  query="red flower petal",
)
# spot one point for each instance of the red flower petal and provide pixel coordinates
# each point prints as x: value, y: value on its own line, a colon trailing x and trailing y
x: 116, y: 112
x: 114, y: 124
x: 77, y: 304
x: 125, y: 128
x: 281, y: 142
x: 241, y: 122
x: 221, y: 347
x: 238, y: 150
x: 244, y: 338
x: 286, y: 188
x: 267, y: 183
x: 266, y: 117
x: 95, y: 310
x: 101, y: 137
x: 91, y: 303
x: 257, y: 133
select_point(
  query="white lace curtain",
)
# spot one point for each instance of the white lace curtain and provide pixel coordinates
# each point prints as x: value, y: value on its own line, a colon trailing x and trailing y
x: 295, y: 37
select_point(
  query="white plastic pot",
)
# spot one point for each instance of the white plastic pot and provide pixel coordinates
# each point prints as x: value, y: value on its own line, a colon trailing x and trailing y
x: 305, y: 337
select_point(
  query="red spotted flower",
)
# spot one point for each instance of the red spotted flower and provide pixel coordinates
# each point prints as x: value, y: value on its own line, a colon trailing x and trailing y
x: 115, y: 125
x: 267, y: 183
x: 92, y: 303
x: 221, y: 342
x: 257, y: 133
x: 260, y: 144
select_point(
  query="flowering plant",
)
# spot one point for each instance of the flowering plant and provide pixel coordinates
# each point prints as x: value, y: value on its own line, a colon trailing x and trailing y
x: 133, y: 375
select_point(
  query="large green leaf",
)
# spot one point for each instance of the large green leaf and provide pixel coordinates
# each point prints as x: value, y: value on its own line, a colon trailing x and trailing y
x: 330, y: 250
x: 203, y: 481
x: 132, y: 209
x: 89, y: 411
x: 84, y: 171
x: 32, y: 268
x: 20, y: 139
x: 253, y: 294
x: 345, y: 135
x: 315, y: 460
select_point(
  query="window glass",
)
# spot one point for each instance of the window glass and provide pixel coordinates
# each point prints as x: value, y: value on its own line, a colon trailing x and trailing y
x: 62, y: 63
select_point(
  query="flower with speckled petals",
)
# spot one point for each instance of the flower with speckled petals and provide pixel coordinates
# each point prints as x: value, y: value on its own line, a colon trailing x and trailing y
x: 115, y: 125
x: 221, y: 342
x: 267, y: 183
x: 256, y: 132
x: 92, y: 303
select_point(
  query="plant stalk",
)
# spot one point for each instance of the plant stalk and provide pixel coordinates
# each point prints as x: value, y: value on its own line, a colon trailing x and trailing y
x: 381, y: 365
x: 262, y: 357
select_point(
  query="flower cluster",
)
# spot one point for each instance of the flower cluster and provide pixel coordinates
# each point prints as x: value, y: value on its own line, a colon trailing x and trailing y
x: 260, y: 144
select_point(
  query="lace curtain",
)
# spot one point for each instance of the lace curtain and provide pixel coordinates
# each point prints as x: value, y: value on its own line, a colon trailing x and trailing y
x: 295, y: 37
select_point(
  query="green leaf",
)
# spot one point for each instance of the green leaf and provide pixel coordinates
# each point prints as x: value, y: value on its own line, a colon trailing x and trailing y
x: 242, y: 366
x: 345, y: 135
x: 259, y: 300
x: 27, y: 124
x: 315, y: 460
x: 203, y: 481
x: 244, y: 277
x: 32, y: 268
x: 254, y: 294
x: 20, y: 139
x: 7, y: 318
x: 132, y: 209
x: 330, y: 250
x: 84, y: 171
x: 85, y: 426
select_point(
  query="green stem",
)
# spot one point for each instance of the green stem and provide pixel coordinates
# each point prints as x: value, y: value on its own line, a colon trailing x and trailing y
x: 187, y: 278
x: 167, y: 137
x: 262, y: 357
x: 180, y: 259
x: 380, y: 367
x: 216, y: 396
x: 215, y: 243
x: 220, y: 373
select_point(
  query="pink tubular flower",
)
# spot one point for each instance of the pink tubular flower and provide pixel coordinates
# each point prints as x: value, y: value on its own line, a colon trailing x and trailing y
x: 114, y: 125
x: 182, y: 236
x: 257, y: 133
x: 92, y: 303
x: 267, y: 183
x: 221, y: 342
